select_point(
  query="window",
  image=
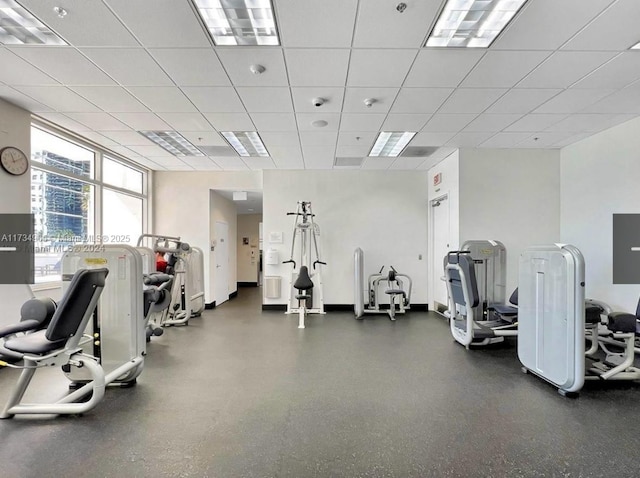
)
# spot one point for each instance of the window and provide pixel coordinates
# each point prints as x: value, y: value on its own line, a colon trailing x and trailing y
x: 70, y: 176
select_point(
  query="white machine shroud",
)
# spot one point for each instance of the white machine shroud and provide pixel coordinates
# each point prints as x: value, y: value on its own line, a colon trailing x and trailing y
x: 551, y: 314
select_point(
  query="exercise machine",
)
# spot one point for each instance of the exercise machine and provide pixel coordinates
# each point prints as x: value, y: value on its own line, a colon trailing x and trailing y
x: 469, y: 322
x: 399, y: 293
x: 490, y: 263
x: 553, y: 320
x: 305, y: 287
x: 186, y: 264
x: 157, y: 293
x: 59, y: 345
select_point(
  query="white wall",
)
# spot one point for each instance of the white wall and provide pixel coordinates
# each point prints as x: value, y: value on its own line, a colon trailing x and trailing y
x: 600, y: 178
x: 223, y: 210
x: 382, y: 212
x: 510, y: 195
x: 248, y: 226
x: 181, y: 205
x: 15, y: 130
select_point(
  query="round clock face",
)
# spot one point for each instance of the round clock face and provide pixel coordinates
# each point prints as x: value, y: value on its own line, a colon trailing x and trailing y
x: 14, y: 161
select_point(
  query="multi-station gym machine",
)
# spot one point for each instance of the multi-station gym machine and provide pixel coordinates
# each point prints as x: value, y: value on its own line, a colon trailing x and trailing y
x: 305, y: 286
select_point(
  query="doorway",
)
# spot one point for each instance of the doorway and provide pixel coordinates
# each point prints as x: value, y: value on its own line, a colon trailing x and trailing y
x: 221, y: 278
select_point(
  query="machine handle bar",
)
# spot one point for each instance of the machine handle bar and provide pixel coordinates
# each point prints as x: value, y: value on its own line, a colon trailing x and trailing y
x: 319, y: 262
x: 290, y: 260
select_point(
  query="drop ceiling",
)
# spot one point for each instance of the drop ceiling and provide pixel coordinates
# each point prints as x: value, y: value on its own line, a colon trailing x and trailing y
x: 561, y: 71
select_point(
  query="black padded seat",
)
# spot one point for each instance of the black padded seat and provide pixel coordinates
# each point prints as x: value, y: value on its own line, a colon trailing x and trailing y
x: 623, y: 322
x: 303, y: 282
x: 22, y: 326
x: 67, y: 318
x: 592, y: 314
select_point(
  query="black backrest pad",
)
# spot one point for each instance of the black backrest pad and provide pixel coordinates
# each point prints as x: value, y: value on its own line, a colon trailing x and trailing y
x: 465, y: 263
x: 514, y: 297
x: 74, y: 304
x: 638, y: 310
x: 303, y: 282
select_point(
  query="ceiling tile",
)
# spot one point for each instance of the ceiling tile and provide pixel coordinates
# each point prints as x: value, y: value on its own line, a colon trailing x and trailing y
x: 377, y: 163
x: 491, y: 123
x: 318, y: 138
x: 163, y: 99
x: 65, y: 64
x: 571, y: 140
x: 613, y: 21
x: 468, y: 140
x: 231, y: 163
x: 383, y: 98
x: 405, y: 122
x: 564, y: 68
x: 379, y: 67
x: 436, y: 157
x: 59, y: 98
x: 315, y: 67
x: 186, y: 121
x: 622, y: 101
x: 16, y: 71
x: 350, y: 151
x: 617, y: 73
x: 153, y: 151
x: 99, y: 121
x: 201, y: 163
x: 127, y: 138
x: 274, y: 121
x: 299, y: 28
x: 471, y: 100
x: 262, y: 100
x: 504, y: 68
x: 280, y: 138
x: 305, y: 121
x: 89, y: 24
x: 257, y: 164
x: 361, y: 122
x: 572, y: 100
x: 63, y: 121
x: 236, y: 61
x: 158, y: 23
x: 204, y: 138
x: 547, y: 24
x: 401, y: 30
x: 504, y: 140
x: 230, y: 121
x: 543, y: 139
x: 357, y: 138
x: 406, y: 163
x: 535, y: 122
x: 427, y: 138
x: 521, y: 100
x: 111, y: 98
x: 23, y: 101
x: 100, y: 139
x: 219, y: 99
x: 129, y: 66
x: 442, y: 67
x: 588, y: 122
x: 420, y: 100
x: 142, y: 122
x: 287, y: 156
x: 303, y: 99
x: 319, y: 157
x: 446, y: 123
x: 180, y: 64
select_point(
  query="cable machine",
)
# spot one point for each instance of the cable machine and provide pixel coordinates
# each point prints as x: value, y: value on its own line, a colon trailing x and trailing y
x: 305, y: 286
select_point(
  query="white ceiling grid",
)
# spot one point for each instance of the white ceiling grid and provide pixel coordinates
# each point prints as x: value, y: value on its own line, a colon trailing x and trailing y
x: 560, y: 72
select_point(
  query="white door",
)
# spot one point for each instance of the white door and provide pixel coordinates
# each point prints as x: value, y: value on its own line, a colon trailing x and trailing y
x: 440, y: 227
x: 221, y: 274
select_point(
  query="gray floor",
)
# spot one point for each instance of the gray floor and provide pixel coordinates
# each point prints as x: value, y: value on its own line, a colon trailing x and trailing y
x: 244, y: 393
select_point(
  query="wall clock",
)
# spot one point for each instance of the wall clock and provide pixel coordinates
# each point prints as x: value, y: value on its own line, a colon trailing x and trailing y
x: 14, y: 161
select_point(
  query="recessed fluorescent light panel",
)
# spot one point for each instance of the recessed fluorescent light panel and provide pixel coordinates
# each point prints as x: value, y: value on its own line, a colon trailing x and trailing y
x: 246, y: 143
x: 19, y: 27
x: 239, y: 22
x: 472, y: 23
x: 173, y: 142
x: 391, y: 144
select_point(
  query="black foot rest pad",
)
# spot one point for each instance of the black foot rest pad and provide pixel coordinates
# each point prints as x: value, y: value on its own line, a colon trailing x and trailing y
x: 483, y: 333
x: 504, y: 309
x: 303, y: 297
x: 623, y: 322
x: 36, y: 343
x: 396, y: 292
x: 592, y: 314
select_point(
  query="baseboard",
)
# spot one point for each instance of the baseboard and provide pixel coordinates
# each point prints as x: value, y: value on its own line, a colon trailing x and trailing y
x: 233, y: 295
x: 247, y: 284
x: 343, y: 307
x: 210, y: 305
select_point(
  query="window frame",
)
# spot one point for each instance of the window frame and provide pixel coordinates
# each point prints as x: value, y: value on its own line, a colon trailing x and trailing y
x: 100, y: 152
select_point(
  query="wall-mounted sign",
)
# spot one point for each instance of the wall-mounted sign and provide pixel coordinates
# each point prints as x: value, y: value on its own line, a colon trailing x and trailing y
x: 437, y: 179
